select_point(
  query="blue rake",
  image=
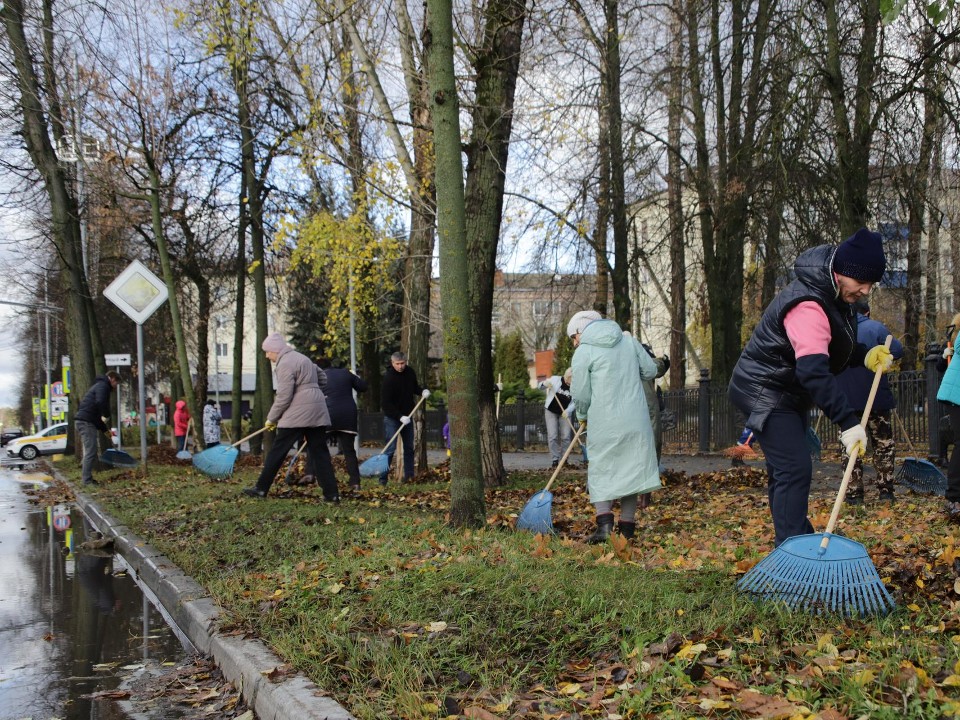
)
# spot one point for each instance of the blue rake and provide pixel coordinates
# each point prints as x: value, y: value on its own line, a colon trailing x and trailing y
x: 537, y: 515
x: 118, y: 458
x: 822, y: 571
x: 380, y: 463
x: 217, y: 462
x: 918, y: 474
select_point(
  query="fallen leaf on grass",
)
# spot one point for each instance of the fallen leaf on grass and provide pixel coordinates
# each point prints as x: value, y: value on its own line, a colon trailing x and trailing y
x: 768, y: 707
x: 475, y: 712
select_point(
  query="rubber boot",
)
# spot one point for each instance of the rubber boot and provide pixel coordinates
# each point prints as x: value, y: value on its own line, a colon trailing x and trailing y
x: 604, y: 528
x: 627, y: 529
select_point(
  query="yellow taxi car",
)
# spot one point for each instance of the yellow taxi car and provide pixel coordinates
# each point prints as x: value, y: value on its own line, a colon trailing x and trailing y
x: 51, y: 441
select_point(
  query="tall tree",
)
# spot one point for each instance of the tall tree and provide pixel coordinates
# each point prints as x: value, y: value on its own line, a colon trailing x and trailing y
x: 496, y: 65
x: 467, y: 508
x: 43, y: 121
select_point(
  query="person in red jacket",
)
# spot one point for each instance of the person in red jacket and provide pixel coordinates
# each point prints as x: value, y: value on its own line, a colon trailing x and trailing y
x: 181, y: 418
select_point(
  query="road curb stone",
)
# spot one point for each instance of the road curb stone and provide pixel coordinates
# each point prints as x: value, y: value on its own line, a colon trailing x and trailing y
x: 243, y: 661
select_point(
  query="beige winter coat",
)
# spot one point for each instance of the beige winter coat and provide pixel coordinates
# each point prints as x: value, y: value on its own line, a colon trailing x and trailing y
x: 299, y: 402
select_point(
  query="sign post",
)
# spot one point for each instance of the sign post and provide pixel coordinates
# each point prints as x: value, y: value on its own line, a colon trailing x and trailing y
x: 118, y: 361
x: 138, y: 292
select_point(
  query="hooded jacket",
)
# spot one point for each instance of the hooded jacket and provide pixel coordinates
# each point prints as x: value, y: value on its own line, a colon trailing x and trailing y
x: 608, y: 367
x: 299, y: 402
x: 181, y: 416
x: 766, y: 376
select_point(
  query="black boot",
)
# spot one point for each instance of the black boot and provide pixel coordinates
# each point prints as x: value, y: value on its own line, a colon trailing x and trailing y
x: 627, y: 529
x: 604, y: 528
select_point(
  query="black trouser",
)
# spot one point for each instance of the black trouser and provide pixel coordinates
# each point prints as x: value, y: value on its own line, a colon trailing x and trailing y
x: 319, y: 456
x: 345, y: 441
x: 789, y: 470
x: 953, y: 467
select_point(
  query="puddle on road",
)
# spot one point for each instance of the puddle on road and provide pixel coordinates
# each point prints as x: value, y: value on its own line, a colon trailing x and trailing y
x: 72, y: 622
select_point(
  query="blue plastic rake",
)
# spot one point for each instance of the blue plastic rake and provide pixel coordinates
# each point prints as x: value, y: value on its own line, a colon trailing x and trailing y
x: 822, y: 571
x: 217, y: 462
x: 379, y: 464
x: 537, y: 514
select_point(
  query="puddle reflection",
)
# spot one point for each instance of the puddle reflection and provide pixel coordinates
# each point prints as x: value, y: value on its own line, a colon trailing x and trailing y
x: 72, y: 621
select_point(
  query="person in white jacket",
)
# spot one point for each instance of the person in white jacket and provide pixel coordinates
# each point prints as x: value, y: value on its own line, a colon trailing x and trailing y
x: 556, y: 414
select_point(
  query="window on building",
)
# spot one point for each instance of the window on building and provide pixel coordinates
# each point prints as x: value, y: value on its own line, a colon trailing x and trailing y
x: 546, y: 309
x: 222, y: 349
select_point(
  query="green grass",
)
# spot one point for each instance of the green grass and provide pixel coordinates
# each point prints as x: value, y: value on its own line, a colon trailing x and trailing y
x: 398, y: 616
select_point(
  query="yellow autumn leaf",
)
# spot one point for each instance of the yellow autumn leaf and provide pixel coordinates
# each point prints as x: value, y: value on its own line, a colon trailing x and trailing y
x: 913, y: 607
x: 711, y: 704
x: 757, y: 635
x: 335, y: 588
x: 569, y: 688
x: 430, y: 708
x: 864, y: 677
x: 951, y: 681
x: 691, y: 650
x: 439, y: 626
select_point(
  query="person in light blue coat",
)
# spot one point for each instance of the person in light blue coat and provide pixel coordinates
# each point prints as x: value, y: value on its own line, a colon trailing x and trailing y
x: 949, y: 394
x: 608, y: 367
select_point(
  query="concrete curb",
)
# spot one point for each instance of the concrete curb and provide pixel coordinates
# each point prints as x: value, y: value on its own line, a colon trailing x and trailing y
x: 244, y: 662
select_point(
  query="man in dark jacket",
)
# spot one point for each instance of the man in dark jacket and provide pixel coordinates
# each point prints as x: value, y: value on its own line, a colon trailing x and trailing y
x: 94, y: 407
x: 341, y: 384
x: 397, y: 392
x: 856, y: 382
x: 804, y: 338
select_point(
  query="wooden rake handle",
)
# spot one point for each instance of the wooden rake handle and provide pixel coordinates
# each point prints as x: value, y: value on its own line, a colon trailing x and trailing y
x: 400, y: 429
x: 242, y: 440
x: 848, y: 473
x: 570, y: 423
x: 576, y: 439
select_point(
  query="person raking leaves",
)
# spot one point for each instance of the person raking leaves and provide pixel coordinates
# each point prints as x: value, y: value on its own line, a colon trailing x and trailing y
x: 805, y: 337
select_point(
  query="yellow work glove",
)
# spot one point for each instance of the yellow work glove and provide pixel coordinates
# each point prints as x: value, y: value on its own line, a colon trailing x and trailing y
x: 879, y: 357
x: 270, y: 426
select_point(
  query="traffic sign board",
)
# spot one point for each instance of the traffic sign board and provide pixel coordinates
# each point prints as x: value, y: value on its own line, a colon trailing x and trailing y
x: 137, y: 291
x: 117, y: 360
x: 61, y: 522
x: 59, y: 405
x: 56, y: 390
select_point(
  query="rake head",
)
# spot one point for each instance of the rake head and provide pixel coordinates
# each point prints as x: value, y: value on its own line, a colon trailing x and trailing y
x: 536, y: 515
x: 118, y: 458
x: 216, y: 462
x: 802, y: 575
x: 741, y: 452
x: 375, y: 465
x: 922, y: 476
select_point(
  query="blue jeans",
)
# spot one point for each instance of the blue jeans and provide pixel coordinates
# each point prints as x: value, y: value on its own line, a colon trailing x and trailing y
x: 390, y: 427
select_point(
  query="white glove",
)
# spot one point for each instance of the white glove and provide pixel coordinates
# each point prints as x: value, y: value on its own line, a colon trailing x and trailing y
x: 499, y: 387
x: 564, y: 413
x: 546, y: 385
x: 947, y: 352
x: 425, y: 394
x: 855, y: 437
x: 404, y: 419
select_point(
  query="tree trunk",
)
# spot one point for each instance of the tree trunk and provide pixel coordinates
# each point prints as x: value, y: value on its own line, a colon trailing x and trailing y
x: 467, y: 507
x: 619, y: 275
x: 497, y: 64
x: 82, y: 328
x: 678, y: 270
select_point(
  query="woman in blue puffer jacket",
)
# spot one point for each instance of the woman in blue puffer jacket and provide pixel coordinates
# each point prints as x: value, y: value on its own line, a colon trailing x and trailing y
x: 949, y: 393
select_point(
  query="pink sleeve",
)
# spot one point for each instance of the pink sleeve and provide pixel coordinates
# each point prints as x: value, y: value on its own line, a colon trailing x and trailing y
x: 808, y: 329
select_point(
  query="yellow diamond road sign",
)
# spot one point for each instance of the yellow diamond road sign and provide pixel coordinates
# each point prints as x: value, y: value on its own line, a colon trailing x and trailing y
x: 137, y: 291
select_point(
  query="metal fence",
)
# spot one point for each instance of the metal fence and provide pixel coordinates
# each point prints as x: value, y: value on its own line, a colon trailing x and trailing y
x: 702, y: 418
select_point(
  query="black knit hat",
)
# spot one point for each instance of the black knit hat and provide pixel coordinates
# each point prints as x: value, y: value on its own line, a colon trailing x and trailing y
x: 861, y: 257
